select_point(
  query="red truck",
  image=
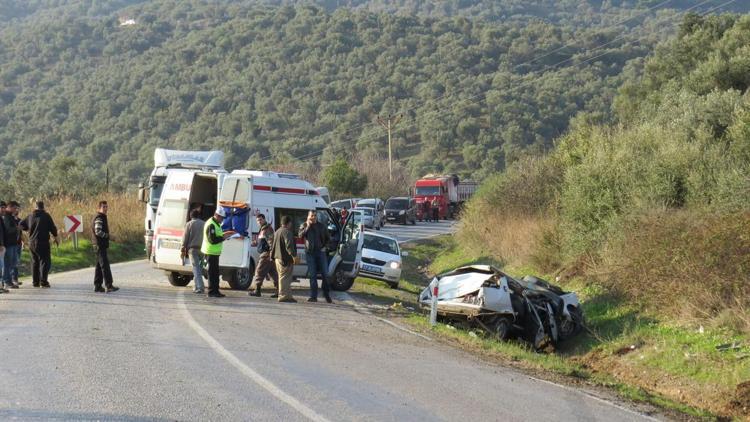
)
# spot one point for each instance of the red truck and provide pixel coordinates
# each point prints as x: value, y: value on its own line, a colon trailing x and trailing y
x: 447, y: 189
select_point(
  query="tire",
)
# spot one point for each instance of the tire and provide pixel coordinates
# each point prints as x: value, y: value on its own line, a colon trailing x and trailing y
x: 178, y: 280
x: 240, y: 278
x: 569, y: 329
x: 340, y: 282
x: 501, y: 327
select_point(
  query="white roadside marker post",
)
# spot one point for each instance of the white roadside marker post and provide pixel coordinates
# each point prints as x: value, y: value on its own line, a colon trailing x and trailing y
x: 433, y: 308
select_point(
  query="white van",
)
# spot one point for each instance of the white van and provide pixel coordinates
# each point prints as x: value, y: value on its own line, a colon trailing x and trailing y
x: 252, y: 193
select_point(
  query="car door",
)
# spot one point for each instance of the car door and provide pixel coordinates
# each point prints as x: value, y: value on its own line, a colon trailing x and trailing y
x: 348, y: 257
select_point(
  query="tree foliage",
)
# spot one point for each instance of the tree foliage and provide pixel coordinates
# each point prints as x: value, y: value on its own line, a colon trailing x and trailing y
x: 343, y: 179
x: 271, y: 85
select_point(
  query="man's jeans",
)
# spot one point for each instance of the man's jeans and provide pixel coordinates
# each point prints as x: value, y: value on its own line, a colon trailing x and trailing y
x: 317, y: 263
x: 2, y: 268
x: 195, y: 261
x: 10, y: 263
x: 18, y: 263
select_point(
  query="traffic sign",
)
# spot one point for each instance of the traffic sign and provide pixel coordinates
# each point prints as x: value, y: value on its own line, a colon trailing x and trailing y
x: 73, y: 223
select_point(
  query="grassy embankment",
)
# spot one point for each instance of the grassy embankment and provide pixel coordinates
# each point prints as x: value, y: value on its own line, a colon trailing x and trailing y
x: 125, y: 221
x: 673, y: 366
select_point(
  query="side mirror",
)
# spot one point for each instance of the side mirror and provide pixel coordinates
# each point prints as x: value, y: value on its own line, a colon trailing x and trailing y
x: 142, y: 193
x: 404, y: 253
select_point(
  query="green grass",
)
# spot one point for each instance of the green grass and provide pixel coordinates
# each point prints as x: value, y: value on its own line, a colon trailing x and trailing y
x: 65, y: 258
x: 680, y: 352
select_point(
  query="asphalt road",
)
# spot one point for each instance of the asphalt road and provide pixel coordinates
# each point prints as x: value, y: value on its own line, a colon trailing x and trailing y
x: 155, y: 352
x: 420, y: 230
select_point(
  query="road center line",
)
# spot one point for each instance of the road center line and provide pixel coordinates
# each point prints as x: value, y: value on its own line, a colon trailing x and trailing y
x: 246, y: 370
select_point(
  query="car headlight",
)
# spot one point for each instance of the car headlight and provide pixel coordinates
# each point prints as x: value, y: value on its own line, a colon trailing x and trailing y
x: 395, y: 265
x: 402, y: 212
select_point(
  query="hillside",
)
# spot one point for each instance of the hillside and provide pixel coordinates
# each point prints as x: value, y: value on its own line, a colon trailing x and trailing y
x: 278, y: 84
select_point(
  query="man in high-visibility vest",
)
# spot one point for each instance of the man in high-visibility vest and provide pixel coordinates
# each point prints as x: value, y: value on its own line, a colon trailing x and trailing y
x: 212, y: 245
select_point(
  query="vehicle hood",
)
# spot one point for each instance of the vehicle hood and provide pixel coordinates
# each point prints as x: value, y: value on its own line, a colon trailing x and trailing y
x: 383, y: 256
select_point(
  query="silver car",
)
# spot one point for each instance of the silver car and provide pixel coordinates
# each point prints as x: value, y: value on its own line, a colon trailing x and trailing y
x: 368, y: 219
x: 381, y: 259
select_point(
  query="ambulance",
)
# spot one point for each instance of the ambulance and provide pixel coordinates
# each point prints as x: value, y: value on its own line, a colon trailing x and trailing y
x: 244, y: 194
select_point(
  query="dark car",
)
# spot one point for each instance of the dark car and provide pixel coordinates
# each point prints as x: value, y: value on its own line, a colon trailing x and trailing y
x: 401, y: 210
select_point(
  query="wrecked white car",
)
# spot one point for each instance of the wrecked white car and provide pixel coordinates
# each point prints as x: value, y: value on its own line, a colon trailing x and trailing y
x: 531, y: 308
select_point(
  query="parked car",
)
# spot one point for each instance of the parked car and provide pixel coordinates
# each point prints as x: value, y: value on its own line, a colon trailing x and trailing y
x: 345, y: 204
x: 365, y: 217
x: 401, y: 210
x: 381, y: 259
x: 376, y: 204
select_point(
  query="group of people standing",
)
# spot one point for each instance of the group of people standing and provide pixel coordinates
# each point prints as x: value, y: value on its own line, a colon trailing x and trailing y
x: 431, y: 210
x: 277, y: 254
x: 40, y: 228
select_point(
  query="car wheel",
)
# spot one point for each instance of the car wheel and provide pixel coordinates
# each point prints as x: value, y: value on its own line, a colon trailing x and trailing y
x: 340, y: 282
x: 179, y: 280
x: 240, y: 278
x: 569, y: 328
x: 501, y: 327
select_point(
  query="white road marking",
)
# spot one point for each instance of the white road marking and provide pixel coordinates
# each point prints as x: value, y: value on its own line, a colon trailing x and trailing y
x: 346, y: 297
x: 246, y: 370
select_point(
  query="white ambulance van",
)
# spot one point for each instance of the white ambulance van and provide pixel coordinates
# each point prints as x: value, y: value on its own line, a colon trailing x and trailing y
x: 250, y: 193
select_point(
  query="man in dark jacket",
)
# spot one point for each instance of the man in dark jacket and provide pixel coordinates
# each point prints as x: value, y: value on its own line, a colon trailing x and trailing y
x: 40, y: 226
x: 265, y: 267
x: 2, y: 249
x: 316, y: 239
x: 10, y: 240
x: 284, y: 253
x: 100, y: 229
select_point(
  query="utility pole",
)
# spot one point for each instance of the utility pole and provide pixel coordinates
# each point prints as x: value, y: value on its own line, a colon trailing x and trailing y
x: 388, y: 124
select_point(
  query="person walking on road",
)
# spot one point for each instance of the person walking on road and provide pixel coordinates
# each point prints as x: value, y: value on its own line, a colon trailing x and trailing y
x: 266, y: 267
x: 192, y: 241
x: 213, y: 238
x: 10, y: 241
x: 40, y: 226
x: 435, y: 210
x: 100, y: 228
x: 284, y: 254
x: 316, y: 239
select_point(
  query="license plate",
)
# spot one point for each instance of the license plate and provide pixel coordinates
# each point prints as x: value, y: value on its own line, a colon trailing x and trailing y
x: 371, y: 269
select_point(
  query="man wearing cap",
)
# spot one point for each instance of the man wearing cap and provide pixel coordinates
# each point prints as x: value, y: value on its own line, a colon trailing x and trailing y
x: 10, y: 240
x: 212, y: 245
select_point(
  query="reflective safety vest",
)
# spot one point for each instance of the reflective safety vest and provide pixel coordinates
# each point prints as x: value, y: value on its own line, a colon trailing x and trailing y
x: 207, y: 247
